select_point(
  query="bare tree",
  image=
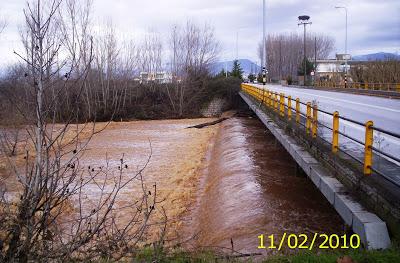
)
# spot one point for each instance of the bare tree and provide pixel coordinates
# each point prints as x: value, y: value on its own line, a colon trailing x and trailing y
x: 387, y: 71
x: 49, y: 217
x: 3, y: 24
x: 106, y: 59
x: 150, y: 57
x: 194, y: 49
x: 285, y: 52
x: 127, y: 70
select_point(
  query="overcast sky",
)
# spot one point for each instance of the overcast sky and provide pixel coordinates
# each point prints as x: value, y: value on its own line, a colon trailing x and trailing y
x: 373, y: 25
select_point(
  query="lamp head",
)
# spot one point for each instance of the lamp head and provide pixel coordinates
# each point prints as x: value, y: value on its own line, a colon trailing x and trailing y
x: 304, y: 18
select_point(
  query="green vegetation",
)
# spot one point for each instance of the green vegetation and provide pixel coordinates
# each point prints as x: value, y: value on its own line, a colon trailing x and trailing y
x: 348, y: 256
x: 222, y: 74
x: 150, y: 255
x: 237, y: 70
x: 309, y: 67
x: 341, y: 256
x: 251, y: 77
x: 259, y: 78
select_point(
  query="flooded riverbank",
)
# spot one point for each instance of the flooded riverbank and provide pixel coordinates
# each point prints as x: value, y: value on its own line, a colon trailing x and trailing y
x: 219, y: 186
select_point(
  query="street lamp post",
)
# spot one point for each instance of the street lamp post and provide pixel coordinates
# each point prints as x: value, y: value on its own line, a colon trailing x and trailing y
x: 237, y: 44
x: 264, y: 55
x: 304, y: 21
x: 345, y: 47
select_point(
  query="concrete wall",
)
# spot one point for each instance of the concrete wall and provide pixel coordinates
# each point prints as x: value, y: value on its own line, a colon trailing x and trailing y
x: 214, y: 108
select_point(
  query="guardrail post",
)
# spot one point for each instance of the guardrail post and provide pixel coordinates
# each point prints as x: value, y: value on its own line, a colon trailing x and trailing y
x: 308, y: 118
x: 315, y: 121
x: 263, y: 96
x: 276, y: 102
x: 335, y: 132
x: 398, y: 87
x: 369, y: 140
x: 289, y: 108
x: 272, y: 102
x: 282, y: 104
x: 297, y: 110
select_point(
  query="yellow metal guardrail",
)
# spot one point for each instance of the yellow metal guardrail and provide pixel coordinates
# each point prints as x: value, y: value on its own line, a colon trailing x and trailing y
x: 270, y: 99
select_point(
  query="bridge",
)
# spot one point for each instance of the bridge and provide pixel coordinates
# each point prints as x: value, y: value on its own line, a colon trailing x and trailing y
x: 348, y: 146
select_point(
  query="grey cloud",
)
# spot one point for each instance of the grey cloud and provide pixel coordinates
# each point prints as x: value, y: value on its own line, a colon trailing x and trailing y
x: 373, y: 25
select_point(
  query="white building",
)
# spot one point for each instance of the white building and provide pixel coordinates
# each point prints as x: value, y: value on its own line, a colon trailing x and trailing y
x: 159, y: 77
x: 332, y: 68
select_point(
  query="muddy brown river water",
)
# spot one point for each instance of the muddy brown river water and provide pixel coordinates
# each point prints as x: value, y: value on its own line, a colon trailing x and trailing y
x: 250, y: 187
x: 221, y: 185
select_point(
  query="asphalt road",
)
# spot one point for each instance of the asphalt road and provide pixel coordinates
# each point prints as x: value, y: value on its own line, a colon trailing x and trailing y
x: 384, y: 112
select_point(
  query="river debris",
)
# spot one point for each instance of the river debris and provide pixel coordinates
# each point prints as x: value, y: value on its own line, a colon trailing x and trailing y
x: 202, y: 125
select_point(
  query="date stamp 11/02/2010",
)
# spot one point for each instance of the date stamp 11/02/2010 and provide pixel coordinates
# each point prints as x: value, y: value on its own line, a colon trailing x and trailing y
x: 302, y: 241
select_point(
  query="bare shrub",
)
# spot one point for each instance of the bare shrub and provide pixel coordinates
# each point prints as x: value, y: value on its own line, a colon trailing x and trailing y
x: 49, y: 216
x: 387, y: 71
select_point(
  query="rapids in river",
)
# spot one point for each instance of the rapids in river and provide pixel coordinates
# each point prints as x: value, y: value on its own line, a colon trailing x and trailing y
x: 250, y: 187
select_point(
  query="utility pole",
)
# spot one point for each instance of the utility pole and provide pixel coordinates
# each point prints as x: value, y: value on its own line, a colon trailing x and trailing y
x: 315, y: 58
x: 304, y: 21
x: 237, y: 44
x: 345, y: 47
x: 280, y: 58
x: 264, y: 52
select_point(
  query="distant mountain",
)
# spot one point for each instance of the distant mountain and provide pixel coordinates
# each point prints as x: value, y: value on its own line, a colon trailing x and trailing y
x: 247, y: 65
x: 376, y: 56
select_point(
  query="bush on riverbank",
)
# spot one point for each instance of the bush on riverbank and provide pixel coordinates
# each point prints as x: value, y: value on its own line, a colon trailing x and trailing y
x: 347, y: 256
x: 131, y: 99
x: 160, y: 101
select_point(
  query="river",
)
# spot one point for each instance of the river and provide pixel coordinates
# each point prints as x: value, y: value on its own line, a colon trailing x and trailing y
x: 250, y: 187
x: 220, y: 186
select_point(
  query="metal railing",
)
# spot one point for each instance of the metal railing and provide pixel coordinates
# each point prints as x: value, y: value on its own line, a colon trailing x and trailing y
x: 282, y: 105
x: 395, y: 87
